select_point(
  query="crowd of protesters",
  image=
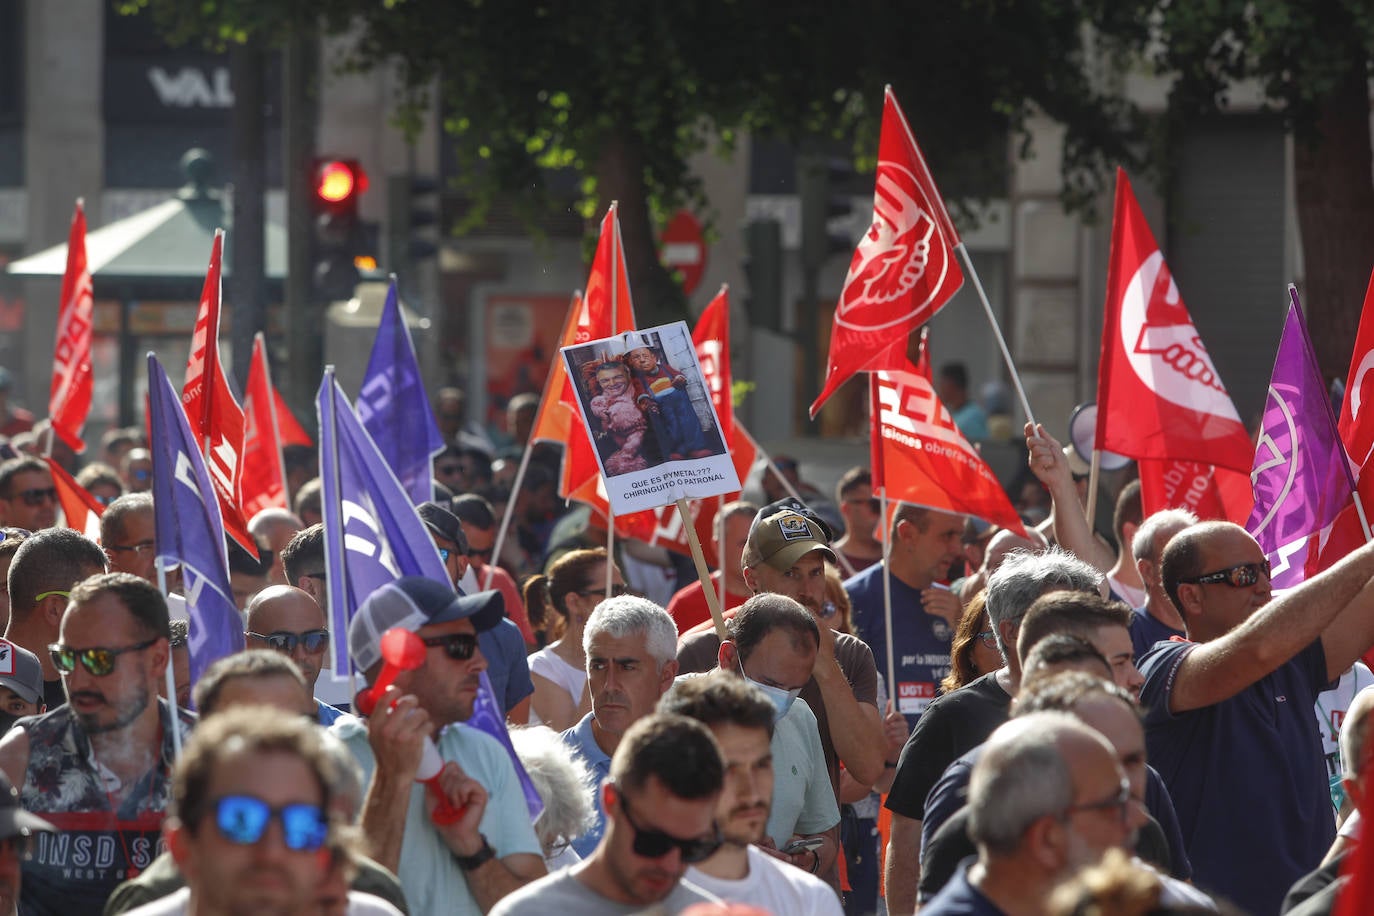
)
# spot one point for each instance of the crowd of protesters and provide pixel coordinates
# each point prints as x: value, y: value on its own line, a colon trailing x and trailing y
x: 1077, y: 724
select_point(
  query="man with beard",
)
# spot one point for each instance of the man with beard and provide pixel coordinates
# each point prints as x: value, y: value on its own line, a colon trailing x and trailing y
x: 741, y: 717
x: 99, y: 767
x: 462, y: 867
x: 660, y: 803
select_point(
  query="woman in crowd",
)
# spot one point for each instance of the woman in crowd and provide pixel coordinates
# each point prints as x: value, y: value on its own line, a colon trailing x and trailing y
x: 973, y: 651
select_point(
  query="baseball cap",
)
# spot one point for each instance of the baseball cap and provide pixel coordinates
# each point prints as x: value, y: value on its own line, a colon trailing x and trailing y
x: 444, y: 523
x: 410, y: 603
x: 783, y: 537
x: 14, y: 820
x: 20, y: 671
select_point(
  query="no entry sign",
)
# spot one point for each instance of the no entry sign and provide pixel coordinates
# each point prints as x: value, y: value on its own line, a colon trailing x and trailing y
x: 684, y: 249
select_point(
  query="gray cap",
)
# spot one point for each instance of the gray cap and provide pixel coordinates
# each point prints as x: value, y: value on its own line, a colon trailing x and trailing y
x: 21, y: 671
x: 410, y: 603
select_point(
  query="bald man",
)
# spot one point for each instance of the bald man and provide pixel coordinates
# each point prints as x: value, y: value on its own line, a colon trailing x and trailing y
x: 286, y: 619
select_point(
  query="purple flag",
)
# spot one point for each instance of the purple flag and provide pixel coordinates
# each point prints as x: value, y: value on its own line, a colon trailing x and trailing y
x: 487, y: 717
x: 394, y: 408
x: 1301, y: 475
x: 189, y: 529
x: 372, y: 534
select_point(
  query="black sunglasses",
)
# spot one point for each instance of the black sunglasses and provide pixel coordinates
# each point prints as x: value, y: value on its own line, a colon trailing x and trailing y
x: 655, y: 844
x: 1242, y: 575
x: 99, y: 661
x: 483, y: 555
x: 459, y: 646
x: 37, y: 496
x: 286, y: 641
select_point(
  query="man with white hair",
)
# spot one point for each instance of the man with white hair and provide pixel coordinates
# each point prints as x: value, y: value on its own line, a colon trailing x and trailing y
x: 1046, y: 799
x: 631, y: 649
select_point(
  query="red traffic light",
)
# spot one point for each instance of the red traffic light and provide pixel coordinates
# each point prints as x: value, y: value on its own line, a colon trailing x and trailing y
x: 338, y: 180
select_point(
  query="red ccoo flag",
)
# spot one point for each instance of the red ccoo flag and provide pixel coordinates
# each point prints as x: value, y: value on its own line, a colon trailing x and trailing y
x: 1356, y: 423
x: 923, y: 459
x: 262, y: 485
x: 904, y: 269
x: 1159, y: 395
x: 288, y: 427
x: 214, y: 414
x: 70, y: 401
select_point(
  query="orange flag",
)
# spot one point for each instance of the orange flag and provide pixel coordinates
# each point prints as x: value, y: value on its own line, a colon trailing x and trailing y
x: 262, y: 485
x: 904, y: 269
x: 214, y: 414
x: 81, y: 510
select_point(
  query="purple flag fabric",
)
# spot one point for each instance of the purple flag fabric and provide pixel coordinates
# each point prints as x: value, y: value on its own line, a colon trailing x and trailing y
x: 1301, y: 477
x: 487, y: 717
x: 394, y: 408
x: 189, y: 528
x: 372, y: 534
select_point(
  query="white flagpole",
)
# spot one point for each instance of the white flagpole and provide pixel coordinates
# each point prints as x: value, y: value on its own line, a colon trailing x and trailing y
x: 171, y: 674
x: 887, y: 599
x: 996, y: 331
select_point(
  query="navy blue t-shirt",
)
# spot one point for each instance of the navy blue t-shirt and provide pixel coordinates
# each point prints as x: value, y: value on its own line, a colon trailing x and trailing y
x: 1246, y: 776
x: 1146, y: 631
x: 503, y: 647
x: 920, y: 640
x: 959, y: 898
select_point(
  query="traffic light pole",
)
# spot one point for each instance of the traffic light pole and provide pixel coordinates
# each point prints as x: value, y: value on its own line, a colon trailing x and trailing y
x: 304, y: 317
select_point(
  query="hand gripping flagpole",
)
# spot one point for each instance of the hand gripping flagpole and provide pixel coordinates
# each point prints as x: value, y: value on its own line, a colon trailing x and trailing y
x: 161, y: 565
x: 996, y: 331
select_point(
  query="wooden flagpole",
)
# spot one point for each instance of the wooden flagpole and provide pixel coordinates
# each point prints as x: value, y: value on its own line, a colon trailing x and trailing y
x: 703, y: 572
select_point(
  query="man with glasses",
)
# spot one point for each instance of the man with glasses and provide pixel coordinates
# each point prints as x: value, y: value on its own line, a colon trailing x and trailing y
x: 128, y: 532
x: 1046, y: 799
x: 28, y: 498
x: 660, y: 802
x: 453, y: 868
x: 250, y: 823
x: 41, y: 575
x: 98, y: 767
x: 629, y: 644
x: 289, y: 621
x: 1230, y: 724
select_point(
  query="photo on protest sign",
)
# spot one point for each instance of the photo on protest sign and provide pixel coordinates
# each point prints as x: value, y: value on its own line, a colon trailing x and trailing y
x: 647, y: 410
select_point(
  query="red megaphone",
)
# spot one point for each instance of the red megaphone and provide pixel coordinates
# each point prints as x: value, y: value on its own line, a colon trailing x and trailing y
x: 402, y: 650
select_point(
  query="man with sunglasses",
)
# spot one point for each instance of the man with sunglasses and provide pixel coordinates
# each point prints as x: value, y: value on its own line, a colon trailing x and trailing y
x: 28, y: 498
x: 660, y: 803
x: 289, y: 621
x: 1230, y: 725
x: 1046, y: 799
x: 42, y: 573
x: 250, y: 825
x: 462, y: 867
x: 99, y: 767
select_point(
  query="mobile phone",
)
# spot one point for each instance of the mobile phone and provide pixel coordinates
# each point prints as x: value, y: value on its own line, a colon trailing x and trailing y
x: 808, y: 844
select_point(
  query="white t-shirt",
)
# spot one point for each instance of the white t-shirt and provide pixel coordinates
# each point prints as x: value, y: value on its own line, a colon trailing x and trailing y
x: 773, y: 885
x: 1330, y: 709
x: 548, y: 664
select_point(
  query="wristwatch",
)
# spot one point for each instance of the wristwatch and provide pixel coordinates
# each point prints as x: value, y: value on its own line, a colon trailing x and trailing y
x: 478, y: 858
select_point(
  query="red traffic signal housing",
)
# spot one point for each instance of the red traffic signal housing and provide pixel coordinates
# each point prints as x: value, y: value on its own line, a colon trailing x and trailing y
x: 338, y: 182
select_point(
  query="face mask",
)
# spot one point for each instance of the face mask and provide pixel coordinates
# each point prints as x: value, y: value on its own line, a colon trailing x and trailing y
x: 781, y: 699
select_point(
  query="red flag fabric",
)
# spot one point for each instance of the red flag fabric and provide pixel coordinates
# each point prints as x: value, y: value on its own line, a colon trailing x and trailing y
x: 214, y: 414
x: 925, y: 460
x: 1207, y: 491
x: 1356, y: 423
x: 904, y: 269
x: 1159, y: 396
x: 262, y: 485
x: 81, y: 510
x: 607, y: 310
x: 556, y: 414
x: 70, y: 400
x: 288, y: 428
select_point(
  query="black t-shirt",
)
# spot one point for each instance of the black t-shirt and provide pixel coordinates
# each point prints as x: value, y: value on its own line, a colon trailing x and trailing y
x: 953, y: 725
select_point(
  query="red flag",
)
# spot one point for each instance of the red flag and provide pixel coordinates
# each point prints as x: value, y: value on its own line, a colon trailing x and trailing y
x: 1356, y: 424
x: 606, y: 310
x: 70, y: 401
x: 904, y: 269
x: 924, y: 459
x: 555, y: 416
x: 262, y: 485
x: 290, y: 431
x: 1159, y: 396
x: 81, y: 510
x: 1207, y: 491
x: 214, y: 414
